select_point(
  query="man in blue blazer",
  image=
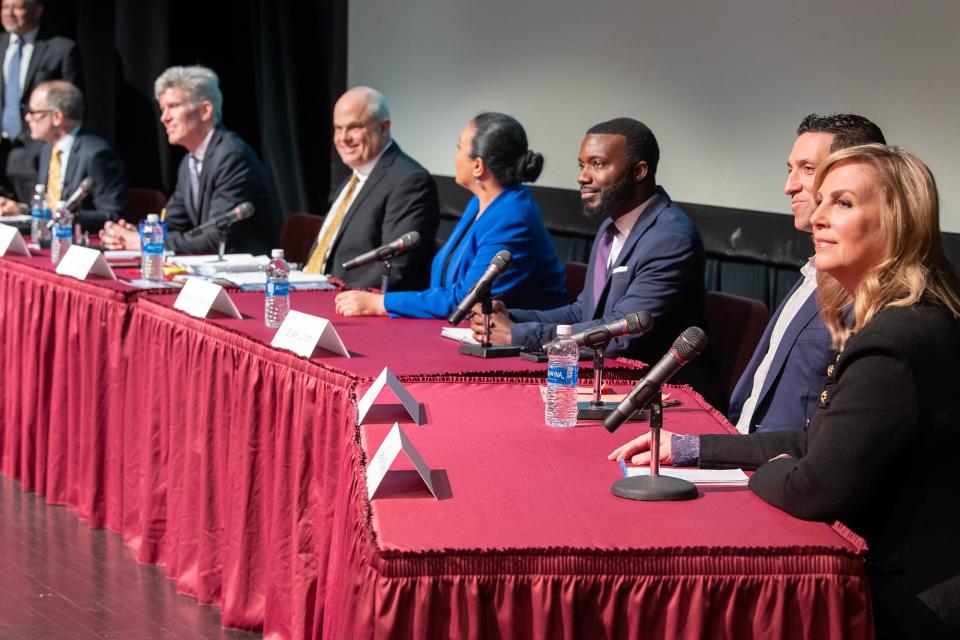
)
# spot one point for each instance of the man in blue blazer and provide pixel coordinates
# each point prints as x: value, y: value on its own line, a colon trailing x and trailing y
x: 55, y: 118
x: 780, y: 388
x: 647, y: 256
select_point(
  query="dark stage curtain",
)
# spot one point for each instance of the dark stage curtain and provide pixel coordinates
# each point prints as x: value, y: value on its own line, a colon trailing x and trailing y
x: 281, y: 65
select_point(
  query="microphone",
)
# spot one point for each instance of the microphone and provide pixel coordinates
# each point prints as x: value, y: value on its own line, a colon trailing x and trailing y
x: 686, y: 347
x: 82, y: 191
x: 637, y: 323
x: 404, y: 243
x: 481, y: 288
x: 240, y: 212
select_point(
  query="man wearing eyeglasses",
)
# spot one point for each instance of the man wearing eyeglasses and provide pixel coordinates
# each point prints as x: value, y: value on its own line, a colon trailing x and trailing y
x: 70, y: 154
x: 28, y: 58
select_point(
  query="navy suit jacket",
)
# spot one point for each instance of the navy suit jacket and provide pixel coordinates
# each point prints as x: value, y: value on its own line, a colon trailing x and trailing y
x: 231, y: 174
x: 792, y: 387
x: 398, y: 196
x: 91, y: 156
x: 660, y: 269
x: 512, y: 222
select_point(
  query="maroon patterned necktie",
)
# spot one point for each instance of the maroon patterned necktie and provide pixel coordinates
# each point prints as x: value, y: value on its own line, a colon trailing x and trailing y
x: 600, y: 262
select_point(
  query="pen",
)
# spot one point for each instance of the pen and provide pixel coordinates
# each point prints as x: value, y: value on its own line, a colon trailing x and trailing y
x: 623, y: 467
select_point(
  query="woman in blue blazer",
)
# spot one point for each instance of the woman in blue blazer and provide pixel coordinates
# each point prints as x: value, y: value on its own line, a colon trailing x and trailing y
x: 492, y: 162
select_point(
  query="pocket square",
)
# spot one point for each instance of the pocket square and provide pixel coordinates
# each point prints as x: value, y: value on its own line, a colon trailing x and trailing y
x: 622, y: 269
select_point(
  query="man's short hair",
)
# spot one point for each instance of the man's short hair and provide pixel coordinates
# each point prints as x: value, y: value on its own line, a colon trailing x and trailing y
x: 65, y: 97
x: 641, y: 143
x: 197, y: 83
x: 378, y: 109
x: 848, y: 129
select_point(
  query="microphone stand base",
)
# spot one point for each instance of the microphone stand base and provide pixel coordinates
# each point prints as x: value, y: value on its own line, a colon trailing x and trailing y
x: 590, y: 411
x: 490, y: 351
x: 654, y: 489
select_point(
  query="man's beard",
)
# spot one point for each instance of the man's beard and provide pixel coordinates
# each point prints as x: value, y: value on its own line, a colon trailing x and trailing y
x: 611, y: 197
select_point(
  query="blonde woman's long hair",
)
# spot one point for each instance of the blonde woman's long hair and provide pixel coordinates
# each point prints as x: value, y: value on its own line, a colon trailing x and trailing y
x: 914, y: 265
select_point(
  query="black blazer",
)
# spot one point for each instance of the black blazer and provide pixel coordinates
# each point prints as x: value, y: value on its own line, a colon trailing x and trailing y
x: 879, y: 456
x: 92, y: 156
x: 398, y: 196
x: 55, y: 58
x: 231, y: 174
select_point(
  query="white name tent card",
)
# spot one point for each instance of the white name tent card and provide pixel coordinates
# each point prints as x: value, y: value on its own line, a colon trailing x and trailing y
x: 386, y: 379
x: 199, y: 297
x: 12, y: 242
x: 395, y: 442
x: 303, y: 333
x: 81, y: 262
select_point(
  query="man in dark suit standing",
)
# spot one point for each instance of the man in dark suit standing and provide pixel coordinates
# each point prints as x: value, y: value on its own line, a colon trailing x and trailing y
x: 28, y: 60
x: 780, y: 388
x: 647, y: 256
x: 218, y: 173
x: 387, y: 195
x: 70, y: 154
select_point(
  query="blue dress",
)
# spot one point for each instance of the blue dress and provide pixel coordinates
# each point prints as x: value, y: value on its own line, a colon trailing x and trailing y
x: 535, y: 279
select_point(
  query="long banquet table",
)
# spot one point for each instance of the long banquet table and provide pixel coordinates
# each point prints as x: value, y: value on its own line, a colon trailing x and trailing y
x: 240, y: 469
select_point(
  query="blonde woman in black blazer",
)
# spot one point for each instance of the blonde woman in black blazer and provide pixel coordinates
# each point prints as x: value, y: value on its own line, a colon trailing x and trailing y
x: 880, y: 451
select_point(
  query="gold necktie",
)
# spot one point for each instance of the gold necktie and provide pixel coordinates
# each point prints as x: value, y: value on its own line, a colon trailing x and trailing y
x: 319, y: 256
x: 54, y: 183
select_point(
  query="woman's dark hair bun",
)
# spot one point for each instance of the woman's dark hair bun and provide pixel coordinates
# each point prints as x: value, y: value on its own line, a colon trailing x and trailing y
x: 529, y: 166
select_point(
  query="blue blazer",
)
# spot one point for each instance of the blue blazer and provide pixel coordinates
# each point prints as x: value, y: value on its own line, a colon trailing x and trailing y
x: 660, y: 269
x: 91, y: 156
x: 512, y: 222
x: 792, y: 387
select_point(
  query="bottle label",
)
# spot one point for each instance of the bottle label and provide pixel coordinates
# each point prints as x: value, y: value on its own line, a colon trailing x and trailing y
x: 562, y: 376
x: 61, y: 232
x: 278, y: 289
x: 47, y: 213
x: 37, y: 213
x: 153, y: 248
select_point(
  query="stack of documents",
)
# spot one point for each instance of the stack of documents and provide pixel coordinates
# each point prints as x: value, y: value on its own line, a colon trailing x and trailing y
x: 696, y: 476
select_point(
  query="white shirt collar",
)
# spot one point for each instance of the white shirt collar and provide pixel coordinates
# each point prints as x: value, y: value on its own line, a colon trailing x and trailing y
x: 28, y: 38
x: 624, y: 224
x: 363, y: 172
x: 201, y: 149
x: 65, y: 143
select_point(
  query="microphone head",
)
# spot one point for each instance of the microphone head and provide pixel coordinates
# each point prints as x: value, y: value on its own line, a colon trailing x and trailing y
x: 243, y: 210
x: 410, y: 239
x: 501, y: 260
x: 638, y: 322
x: 86, y: 184
x: 690, y: 344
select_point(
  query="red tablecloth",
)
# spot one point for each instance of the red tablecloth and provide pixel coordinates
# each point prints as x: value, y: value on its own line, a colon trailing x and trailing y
x: 412, y: 349
x: 63, y: 367
x: 238, y: 467
x: 529, y: 541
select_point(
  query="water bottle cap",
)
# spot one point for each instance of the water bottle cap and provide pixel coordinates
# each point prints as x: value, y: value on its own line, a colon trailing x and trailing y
x: 564, y: 330
x: 276, y: 253
x: 40, y: 189
x: 153, y: 218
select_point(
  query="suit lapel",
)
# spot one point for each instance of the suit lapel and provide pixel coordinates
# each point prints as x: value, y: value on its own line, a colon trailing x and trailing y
x: 70, y: 180
x: 378, y: 173
x: 646, y: 220
x: 4, y: 43
x: 804, y: 315
x: 39, y: 50
x: 205, y: 190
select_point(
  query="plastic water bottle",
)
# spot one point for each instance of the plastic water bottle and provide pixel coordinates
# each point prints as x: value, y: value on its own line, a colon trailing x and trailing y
x: 277, y: 302
x: 62, y: 236
x: 152, y: 234
x: 563, y: 364
x: 39, y: 217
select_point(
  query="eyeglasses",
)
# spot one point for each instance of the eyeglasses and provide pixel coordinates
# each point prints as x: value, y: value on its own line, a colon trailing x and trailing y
x: 28, y: 113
